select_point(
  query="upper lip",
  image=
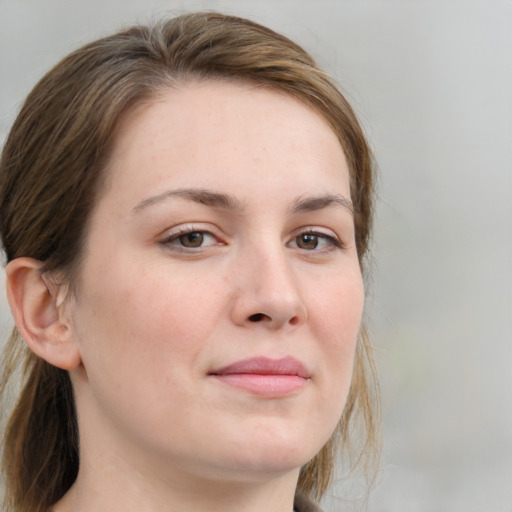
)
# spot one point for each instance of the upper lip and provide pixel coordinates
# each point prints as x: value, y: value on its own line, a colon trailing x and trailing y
x: 265, y: 366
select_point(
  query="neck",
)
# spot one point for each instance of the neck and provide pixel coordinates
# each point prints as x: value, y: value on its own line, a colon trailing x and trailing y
x: 115, y: 479
x: 114, y: 492
x: 118, y: 474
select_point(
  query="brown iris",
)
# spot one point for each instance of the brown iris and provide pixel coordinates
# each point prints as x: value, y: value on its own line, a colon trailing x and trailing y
x: 192, y: 240
x: 307, y: 241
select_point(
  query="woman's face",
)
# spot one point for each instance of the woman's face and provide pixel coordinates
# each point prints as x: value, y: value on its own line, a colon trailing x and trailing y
x: 220, y: 292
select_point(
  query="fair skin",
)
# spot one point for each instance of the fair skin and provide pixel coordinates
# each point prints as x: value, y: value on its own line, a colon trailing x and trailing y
x: 211, y: 337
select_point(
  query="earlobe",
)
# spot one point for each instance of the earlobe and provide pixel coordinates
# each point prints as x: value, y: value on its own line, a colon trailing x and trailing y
x: 40, y: 316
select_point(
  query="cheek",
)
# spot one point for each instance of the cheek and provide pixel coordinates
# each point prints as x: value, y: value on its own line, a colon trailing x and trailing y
x: 141, y: 335
x: 156, y: 316
x: 335, y: 319
x: 339, y: 309
x: 338, y: 321
x: 177, y: 308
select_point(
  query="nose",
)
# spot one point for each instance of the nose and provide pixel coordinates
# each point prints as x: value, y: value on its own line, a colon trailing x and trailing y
x: 267, y: 291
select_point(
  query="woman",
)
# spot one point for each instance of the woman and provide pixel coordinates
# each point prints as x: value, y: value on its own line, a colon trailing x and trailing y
x: 185, y: 211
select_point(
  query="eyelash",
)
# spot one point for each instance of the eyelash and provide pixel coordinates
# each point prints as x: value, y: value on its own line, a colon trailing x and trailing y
x: 332, y: 241
x: 174, y: 239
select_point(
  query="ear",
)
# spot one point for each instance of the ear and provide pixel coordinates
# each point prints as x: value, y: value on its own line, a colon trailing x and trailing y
x: 37, y: 305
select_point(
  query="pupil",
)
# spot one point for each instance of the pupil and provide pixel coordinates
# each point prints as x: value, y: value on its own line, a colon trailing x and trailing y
x: 308, y: 241
x: 192, y: 239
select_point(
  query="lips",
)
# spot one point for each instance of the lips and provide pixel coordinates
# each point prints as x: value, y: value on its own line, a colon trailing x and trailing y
x: 264, y: 376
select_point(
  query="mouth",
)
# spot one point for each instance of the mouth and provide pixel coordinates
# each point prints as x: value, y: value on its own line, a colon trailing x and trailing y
x: 265, y: 377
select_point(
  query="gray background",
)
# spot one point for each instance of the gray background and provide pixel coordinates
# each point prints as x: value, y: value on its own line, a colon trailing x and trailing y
x: 432, y: 83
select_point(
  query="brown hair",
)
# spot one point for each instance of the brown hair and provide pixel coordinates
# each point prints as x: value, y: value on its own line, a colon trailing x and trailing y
x: 51, y: 170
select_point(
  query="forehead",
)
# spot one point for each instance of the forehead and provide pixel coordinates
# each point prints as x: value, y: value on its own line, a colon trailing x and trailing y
x: 214, y: 130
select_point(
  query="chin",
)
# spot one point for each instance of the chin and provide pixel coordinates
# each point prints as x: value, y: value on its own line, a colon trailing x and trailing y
x: 275, y: 452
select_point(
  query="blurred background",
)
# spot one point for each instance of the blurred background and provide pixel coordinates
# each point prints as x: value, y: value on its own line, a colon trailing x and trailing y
x: 432, y: 84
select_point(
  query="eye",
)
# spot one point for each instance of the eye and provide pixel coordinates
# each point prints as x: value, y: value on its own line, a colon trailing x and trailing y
x: 191, y: 239
x: 307, y: 241
x: 313, y: 241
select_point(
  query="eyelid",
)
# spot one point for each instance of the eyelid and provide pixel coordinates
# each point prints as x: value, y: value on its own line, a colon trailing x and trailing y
x: 175, y: 233
x: 330, y: 236
x: 170, y: 238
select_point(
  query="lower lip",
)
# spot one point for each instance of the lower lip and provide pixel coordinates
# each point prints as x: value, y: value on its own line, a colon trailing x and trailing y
x: 269, y: 385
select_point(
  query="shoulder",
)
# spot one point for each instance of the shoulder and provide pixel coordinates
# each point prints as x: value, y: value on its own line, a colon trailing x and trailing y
x: 304, y: 504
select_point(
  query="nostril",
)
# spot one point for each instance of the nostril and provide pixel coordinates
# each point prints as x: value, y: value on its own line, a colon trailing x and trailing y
x: 258, y: 317
x: 295, y: 320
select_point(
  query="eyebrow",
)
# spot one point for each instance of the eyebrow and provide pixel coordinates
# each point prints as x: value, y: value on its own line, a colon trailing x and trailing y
x: 202, y: 196
x: 308, y: 204
x: 227, y: 202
